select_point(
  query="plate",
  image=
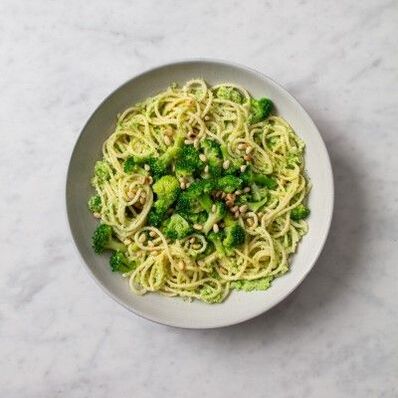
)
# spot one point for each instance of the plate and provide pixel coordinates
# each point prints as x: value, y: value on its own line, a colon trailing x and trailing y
x: 239, y: 306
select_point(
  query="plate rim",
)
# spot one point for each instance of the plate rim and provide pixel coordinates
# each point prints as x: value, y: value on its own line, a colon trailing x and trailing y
x: 328, y: 169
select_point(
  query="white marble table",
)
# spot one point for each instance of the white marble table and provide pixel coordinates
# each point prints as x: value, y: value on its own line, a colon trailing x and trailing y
x: 61, y: 336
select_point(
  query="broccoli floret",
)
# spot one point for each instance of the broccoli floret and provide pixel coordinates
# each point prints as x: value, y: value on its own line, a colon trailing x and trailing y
x: 258, y: 193
x: 212, y: 151
x: 177, y: 227
x: 214, y: 216
x: 94, y: 204
x: 188, y: 161
x: 129, y: 165
x: 300, y: 212
x: 234, y: 235
x: 102, y: 170
x: 229, y: 93
x: 167, y: 189
x: 197, y: 218
x: 120, y: 263
x: 259, y: 109
x: 229, y: 183
x: 200, y: 187
x: 249, y: 177
x: 250, y: 285
x: 155, y: 217
x: 159, y: 166
x: 216, y: 238
x: 103, y: 240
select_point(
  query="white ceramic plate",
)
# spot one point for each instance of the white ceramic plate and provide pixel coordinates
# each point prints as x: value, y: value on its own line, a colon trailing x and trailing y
x: 239, y: 306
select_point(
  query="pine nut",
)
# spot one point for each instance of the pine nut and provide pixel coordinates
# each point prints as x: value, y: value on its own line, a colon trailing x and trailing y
x: 235, y: 208
x: 142, y: 200
x: 214, y: 208
x: 152, y: 234
x: 226, y: 164
x: 187, y: 142
x: 238, y: 192
x: 166, y: 140
x: 198, y: 226
x: 216, y: 228
x: 97, y: 215
x: 241, y: 146
x: 147, y: 167
x: 243, y: 208
x: 182, y: 185
x: 203, y: 157
x: 249, y: 149
x: 247, y: 189
x: 127, y: 241
x: 243, y: 168
x: 206, y: 169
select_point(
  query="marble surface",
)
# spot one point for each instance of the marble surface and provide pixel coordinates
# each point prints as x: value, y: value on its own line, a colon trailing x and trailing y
x: 61, y: 336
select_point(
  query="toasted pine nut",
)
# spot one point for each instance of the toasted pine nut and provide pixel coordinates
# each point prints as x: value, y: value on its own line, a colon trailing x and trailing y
x: 243, y: 208
x: 249, y: 149
x: 166, y: 140
x: 152, y: 234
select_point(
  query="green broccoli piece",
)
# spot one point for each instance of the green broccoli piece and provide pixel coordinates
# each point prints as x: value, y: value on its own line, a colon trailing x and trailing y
x: 216, y: 238
x: 102, y: 170
x: 188, y: 161
x: 229, y: 93
x: 229, y: 183
x: 176, y: 227
x: 159, y: 166
x: 200, y: 187
x: 300, y: 212
x: 249, y: 177
x: 103, y: 240
x: 212, y: 151
x: 234, y: 235
x: 250, y: 285
x: 197, y: 218
x: 120, y: 263
x: 94, y: 204
x: 167, y: 189
x: 129, y: 165
x: 214, y: 216
x: 258, y: 193
x: 259, y: 109
x: 155, y: 217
